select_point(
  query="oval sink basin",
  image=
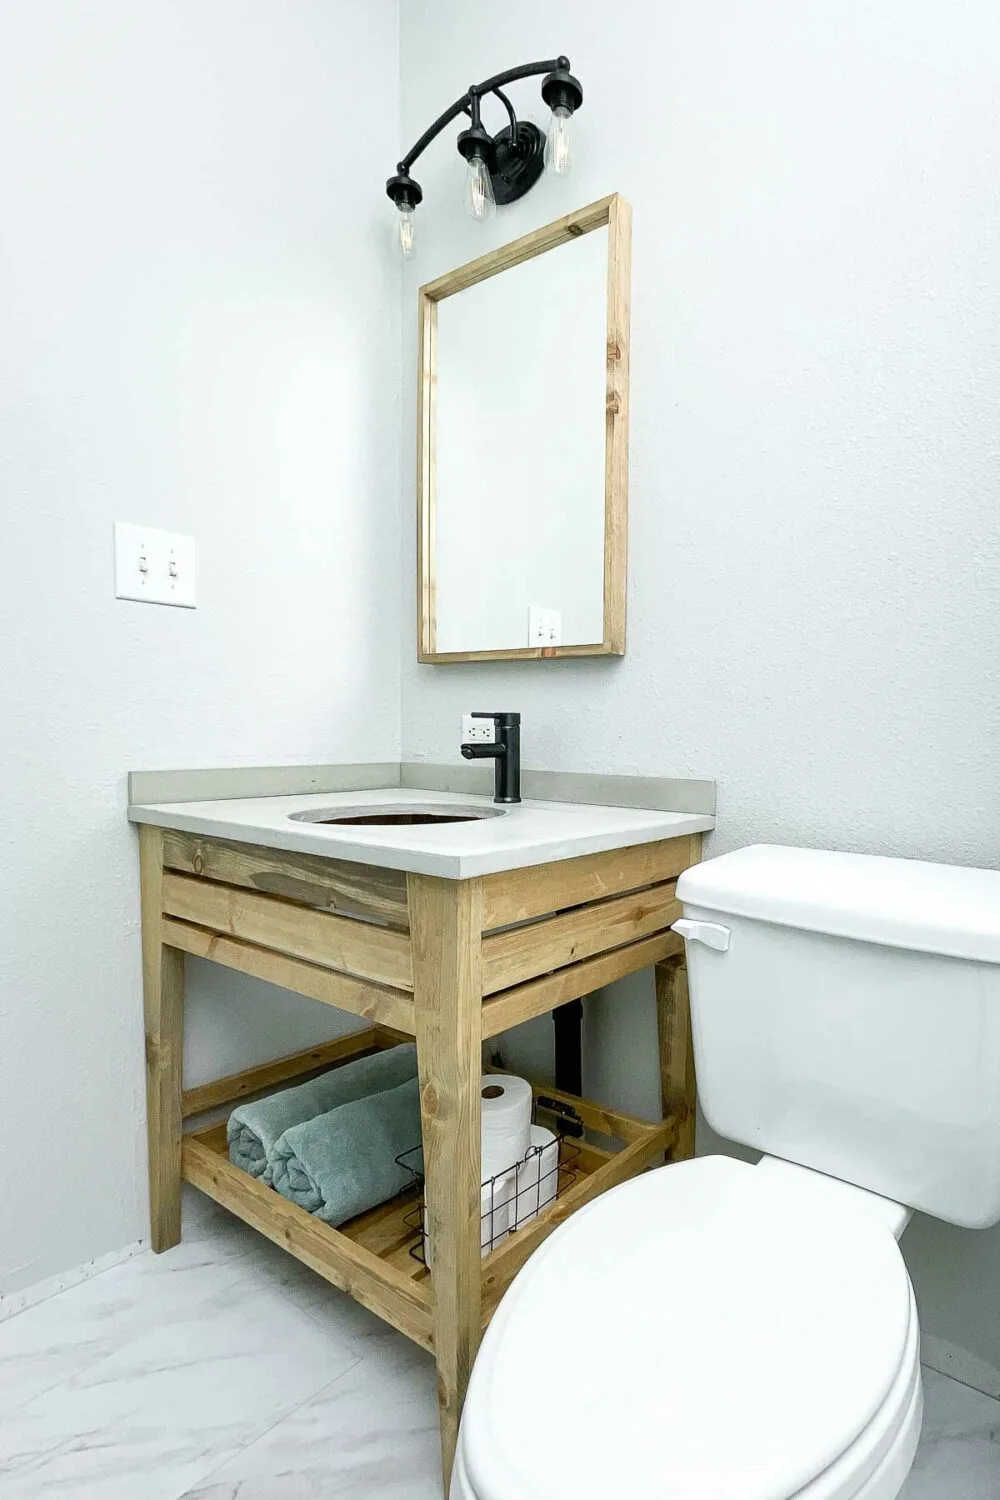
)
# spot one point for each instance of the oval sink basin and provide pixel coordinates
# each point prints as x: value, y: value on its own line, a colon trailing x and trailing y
x: 395, y: 816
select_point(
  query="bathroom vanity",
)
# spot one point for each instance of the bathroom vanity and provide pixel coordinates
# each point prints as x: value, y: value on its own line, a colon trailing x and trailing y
x: 446, y: 932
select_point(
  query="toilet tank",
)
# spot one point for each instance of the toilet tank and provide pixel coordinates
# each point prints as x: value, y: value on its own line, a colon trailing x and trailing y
x: 847, y: 1017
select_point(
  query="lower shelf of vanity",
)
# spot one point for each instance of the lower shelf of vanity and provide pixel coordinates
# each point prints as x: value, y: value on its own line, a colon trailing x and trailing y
x: 369, y: 1257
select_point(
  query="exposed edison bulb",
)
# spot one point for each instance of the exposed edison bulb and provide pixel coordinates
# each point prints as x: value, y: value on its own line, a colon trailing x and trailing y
x: 406, y: 240
x: 558, y: 143
x: 479, y: 200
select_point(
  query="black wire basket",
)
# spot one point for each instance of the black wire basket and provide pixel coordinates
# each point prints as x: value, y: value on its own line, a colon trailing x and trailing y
x: 510, y: 1200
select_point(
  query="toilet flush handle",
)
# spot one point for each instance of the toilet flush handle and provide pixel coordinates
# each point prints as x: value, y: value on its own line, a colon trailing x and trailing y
x: 712, y: 934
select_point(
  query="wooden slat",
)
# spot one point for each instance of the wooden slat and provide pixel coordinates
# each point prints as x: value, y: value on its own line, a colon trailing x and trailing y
x: 524, y: 952
x: 537, y: 890
x: 406, y: 1263
x: 518, y: 653
x: 335, y: 942
x: 388, y: 1036
x: 559, y: 232
x: 212, y: 1136
x: 163, y: 1005
x: 446, y: 922
x: 372, y: 1001
x: 616, y: 425
x: 399, y: 1299
x: 254, y: 1080
x: 539, y: 996
x: 599, y: 1117
x: 426, y: 478
x: 337, y: 884
x: 590, y: 1157
x: 677, y: 1076
x: 384, y: 1230
x: 502, y: 1265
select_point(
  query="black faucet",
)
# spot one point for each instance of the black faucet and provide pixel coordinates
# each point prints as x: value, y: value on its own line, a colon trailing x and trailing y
x: 505, y: 750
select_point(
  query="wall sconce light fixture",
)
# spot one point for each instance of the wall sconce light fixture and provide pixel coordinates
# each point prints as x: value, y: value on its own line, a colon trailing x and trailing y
x: 498, y: 168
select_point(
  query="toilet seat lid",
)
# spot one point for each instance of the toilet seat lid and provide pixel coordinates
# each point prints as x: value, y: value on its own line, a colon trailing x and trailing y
x: 702, y: 1332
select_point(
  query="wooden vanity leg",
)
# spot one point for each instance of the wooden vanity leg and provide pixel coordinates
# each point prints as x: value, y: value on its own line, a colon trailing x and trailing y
x: 163, y: 1004
x: 677, y: 1080
x: 446, y: 939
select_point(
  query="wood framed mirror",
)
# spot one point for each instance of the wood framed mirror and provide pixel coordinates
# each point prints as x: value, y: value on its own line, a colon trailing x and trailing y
x: 522, y: 446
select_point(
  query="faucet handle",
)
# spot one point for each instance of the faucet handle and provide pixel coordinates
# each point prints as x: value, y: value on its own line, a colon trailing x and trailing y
x: 501, y: 719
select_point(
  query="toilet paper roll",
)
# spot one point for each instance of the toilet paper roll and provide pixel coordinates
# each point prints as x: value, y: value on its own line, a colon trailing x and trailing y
x: 506, y: 1123
x: 496, y: 1204
x: 537, y: 1177
x: 505, y: 1141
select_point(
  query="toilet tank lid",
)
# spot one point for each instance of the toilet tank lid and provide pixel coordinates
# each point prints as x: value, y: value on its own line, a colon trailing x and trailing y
x: 901, y: 903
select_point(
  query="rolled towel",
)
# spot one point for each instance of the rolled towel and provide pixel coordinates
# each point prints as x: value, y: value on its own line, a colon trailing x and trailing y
x: 254, y: 1129
x: 344, y: 1162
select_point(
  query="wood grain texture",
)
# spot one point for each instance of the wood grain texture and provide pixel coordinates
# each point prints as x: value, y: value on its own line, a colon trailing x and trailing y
x: 614, y: 212
x: 600, y: 1117
x: 373, y: 1002
x: 334, y: 884
x: 616, y: 425
x: 387, y: 1231
x: 559, y: 232
x: 163, y: 1006
x: 677, y: 1077
x: 446, y: 927
x: 522, y: 953
x: 537, y: 890
x: 427, y: 324
x: 236, y: 1086
x: 502, y: 1265
x: 385, y: 1290
x: 521, y: 653
x: 539, y: 996
x: 359, y: 948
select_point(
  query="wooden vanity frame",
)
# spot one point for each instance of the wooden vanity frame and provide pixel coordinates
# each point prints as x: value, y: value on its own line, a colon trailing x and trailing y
x: 447, y: 963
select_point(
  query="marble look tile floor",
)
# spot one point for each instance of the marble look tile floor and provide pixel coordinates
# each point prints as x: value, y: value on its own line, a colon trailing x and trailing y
x: 227, y: 1371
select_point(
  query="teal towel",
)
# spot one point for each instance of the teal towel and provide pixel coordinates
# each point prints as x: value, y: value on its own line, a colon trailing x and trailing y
x: 344, y: 1162
x: 253, y: 1129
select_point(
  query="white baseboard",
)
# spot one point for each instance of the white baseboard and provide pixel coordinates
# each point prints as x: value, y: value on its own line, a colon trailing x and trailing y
x: 17, y: 1302
x: 969, y: 1369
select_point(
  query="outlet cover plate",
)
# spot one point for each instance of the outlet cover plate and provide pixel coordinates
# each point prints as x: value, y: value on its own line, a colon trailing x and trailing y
x: 478, y: 731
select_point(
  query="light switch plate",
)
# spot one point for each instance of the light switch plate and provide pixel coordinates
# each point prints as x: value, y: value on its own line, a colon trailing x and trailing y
x: 155, y: 567
x: 544, y: 626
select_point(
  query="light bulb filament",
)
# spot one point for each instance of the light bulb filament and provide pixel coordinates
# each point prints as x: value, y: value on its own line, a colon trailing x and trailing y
x: 558, y: 153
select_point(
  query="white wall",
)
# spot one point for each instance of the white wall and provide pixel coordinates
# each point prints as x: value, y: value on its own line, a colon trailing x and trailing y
x: 198, y: 330
x: 815, y: 553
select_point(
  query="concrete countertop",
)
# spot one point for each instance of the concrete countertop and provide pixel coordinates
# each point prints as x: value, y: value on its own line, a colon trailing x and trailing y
x: 532, y: 832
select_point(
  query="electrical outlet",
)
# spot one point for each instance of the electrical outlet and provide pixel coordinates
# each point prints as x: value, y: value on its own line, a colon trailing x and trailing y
x: 477, y: 731
x: 155, y: 567
x: 544, y: 626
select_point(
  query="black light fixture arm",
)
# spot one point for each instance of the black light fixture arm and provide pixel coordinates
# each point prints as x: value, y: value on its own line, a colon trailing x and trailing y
x: 512, y: 117
x: 464, y: 105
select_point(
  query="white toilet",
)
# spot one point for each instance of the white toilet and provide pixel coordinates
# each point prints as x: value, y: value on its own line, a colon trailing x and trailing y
x: 720, y: 1331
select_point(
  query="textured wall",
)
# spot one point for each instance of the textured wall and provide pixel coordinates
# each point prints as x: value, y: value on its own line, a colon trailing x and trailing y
x: 198, y: 330
x: 814, y: 603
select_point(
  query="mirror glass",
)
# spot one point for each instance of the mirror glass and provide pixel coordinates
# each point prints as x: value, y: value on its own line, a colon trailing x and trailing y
x: 520, y: 452
x: 519, y: 490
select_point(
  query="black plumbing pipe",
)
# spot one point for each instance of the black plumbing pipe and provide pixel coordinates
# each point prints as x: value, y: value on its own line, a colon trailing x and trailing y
x: 567, y: 1023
